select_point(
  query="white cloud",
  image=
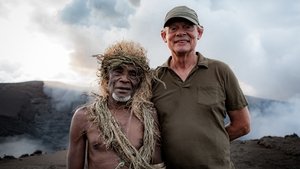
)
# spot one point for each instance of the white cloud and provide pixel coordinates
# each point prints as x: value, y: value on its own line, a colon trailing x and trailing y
x: 278, y: 119
x: 257, y: 39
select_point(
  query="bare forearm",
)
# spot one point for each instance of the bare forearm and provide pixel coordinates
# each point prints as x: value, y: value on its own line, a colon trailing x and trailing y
x: 239, y: 123
x: 236, y: 132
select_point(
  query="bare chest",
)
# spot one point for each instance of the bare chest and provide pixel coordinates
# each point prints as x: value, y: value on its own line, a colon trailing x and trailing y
x: 130, y: 126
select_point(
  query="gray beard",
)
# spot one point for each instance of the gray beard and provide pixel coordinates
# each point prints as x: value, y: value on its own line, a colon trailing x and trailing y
x: 120, y: 99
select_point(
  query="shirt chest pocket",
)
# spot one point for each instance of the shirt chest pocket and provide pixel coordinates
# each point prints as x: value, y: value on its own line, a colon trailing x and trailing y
x: 209, y: 95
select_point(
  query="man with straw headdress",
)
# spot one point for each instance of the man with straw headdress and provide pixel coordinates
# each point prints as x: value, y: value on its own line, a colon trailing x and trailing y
x: 119, y: 128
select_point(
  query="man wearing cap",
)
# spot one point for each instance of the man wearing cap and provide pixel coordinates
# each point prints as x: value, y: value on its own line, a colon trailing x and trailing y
x: 119, y: 128
x: 196, y: 96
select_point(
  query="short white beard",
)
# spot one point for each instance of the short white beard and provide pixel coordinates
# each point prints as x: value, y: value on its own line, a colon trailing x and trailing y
x: 121, y: 99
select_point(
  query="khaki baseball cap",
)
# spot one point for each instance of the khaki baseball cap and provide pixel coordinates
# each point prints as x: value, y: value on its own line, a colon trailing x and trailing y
x: 182, y: 12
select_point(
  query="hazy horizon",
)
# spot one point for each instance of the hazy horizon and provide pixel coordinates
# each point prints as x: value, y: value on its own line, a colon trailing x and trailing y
x: 268, y: 118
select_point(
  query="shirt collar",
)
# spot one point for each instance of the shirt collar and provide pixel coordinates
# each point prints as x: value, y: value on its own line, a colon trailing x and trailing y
x: 202, y: 61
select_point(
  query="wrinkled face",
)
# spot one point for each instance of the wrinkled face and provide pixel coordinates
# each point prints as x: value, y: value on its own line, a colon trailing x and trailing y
x: 181, y: 36
x: 123, y: 82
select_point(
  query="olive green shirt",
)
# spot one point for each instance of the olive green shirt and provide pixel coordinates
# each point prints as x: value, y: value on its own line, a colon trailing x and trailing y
x: 192, y: 112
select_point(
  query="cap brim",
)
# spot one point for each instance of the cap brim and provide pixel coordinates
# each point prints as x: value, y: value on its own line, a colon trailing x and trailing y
x: 175, y: 19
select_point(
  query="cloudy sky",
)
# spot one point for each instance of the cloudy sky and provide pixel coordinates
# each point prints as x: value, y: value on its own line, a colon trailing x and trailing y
x: 55, y: 39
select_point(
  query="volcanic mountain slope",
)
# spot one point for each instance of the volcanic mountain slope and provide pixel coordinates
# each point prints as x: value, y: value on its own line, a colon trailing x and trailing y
x: 38, y: 109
